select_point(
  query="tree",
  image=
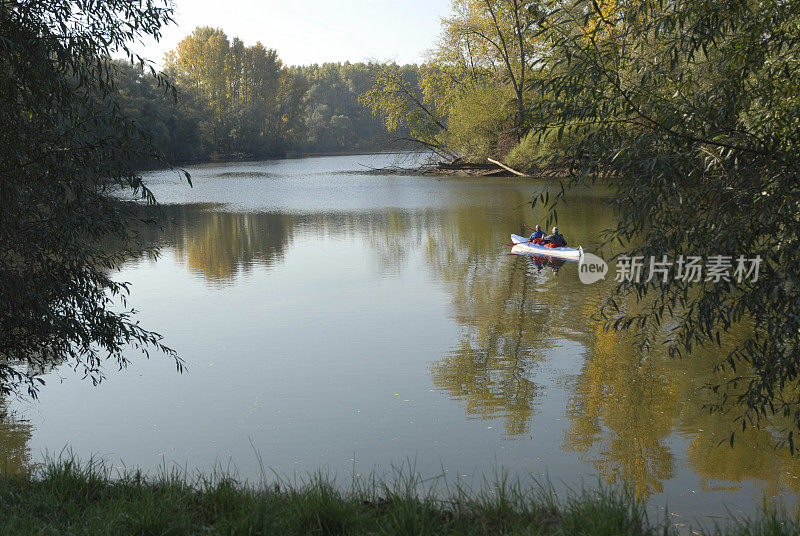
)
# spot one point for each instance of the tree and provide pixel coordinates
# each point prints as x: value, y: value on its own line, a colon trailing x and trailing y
x: 66, y: 153
x: 498, y: 37
x: 397, y: 96
x: 479, y: 124
x: 691, y: 114
x: 238, y: 85
x: 334, y: 120
x: 484, y: 60
x: 173, y: 126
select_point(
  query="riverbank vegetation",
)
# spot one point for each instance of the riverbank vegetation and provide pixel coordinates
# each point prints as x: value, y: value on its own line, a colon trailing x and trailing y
x: 66, y: 496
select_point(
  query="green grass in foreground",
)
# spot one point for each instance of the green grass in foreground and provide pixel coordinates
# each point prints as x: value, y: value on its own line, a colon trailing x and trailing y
x: 69, y: 497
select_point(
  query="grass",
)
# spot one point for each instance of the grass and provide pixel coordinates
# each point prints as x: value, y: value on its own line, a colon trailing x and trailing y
x: 66, y: 496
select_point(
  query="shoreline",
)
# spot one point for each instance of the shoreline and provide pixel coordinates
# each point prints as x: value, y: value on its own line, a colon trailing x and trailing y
x: 66, y: 495
x: 245, y: 157
x: 443, y: 169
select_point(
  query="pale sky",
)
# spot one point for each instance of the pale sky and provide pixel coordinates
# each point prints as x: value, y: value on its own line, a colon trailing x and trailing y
x: 314, y: 31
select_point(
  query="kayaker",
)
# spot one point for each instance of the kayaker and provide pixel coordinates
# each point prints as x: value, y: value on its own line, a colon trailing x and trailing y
x: 537, y: 235
x: 556, y: 240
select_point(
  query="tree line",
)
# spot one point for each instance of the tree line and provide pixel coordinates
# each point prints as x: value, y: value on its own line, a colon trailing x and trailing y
x: 237, y: 100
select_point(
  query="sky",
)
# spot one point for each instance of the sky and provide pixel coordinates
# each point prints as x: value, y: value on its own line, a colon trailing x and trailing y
x: 313, y: 31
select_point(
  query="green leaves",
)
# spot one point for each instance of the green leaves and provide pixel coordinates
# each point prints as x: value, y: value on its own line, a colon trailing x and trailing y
x: 65, y: 146
x: 396, y: 96
x: 694, y: 113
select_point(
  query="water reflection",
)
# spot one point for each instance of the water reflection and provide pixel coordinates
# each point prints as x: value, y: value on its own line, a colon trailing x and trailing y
x: 512, y: 309
x: 635, y: 418
x: 218, y: 246
x: 15, y: 433
x: 504, y: 338
x: 626, y: 406
x: 540, y: 262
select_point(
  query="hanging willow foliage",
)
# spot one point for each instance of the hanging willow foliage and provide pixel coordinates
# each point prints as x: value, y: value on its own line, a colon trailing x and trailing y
x: 65, y: 150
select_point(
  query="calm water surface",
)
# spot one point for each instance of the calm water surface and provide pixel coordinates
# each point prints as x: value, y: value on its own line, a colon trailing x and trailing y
x: 348, y: 321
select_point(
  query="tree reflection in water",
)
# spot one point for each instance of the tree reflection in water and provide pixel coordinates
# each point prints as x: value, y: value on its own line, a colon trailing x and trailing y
x: 625, y: 406
x: 15, y: 433
x: 491, y: 369
x: 511, y: 309
x: 218, y: 246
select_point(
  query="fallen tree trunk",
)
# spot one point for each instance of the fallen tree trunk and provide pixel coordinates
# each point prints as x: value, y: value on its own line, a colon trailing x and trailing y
x: 502, y: 165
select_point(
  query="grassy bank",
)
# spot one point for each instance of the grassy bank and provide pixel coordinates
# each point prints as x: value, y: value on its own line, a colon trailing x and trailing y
x: 67, y: 497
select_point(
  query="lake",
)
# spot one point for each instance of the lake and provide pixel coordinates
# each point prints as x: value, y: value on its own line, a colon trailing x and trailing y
x: 349, y: 321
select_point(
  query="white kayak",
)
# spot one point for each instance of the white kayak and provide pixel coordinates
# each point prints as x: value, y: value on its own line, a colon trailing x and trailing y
x: 521, y: 245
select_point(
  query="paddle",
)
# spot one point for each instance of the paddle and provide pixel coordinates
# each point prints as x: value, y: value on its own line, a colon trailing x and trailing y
x: 528, y: 242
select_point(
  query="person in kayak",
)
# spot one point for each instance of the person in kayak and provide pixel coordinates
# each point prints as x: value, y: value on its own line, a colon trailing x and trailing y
x: 537, y: 236
x: 555, y: 240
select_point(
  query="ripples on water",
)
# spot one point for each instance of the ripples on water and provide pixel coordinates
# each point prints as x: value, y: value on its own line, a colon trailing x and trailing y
x: 332, y: 318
